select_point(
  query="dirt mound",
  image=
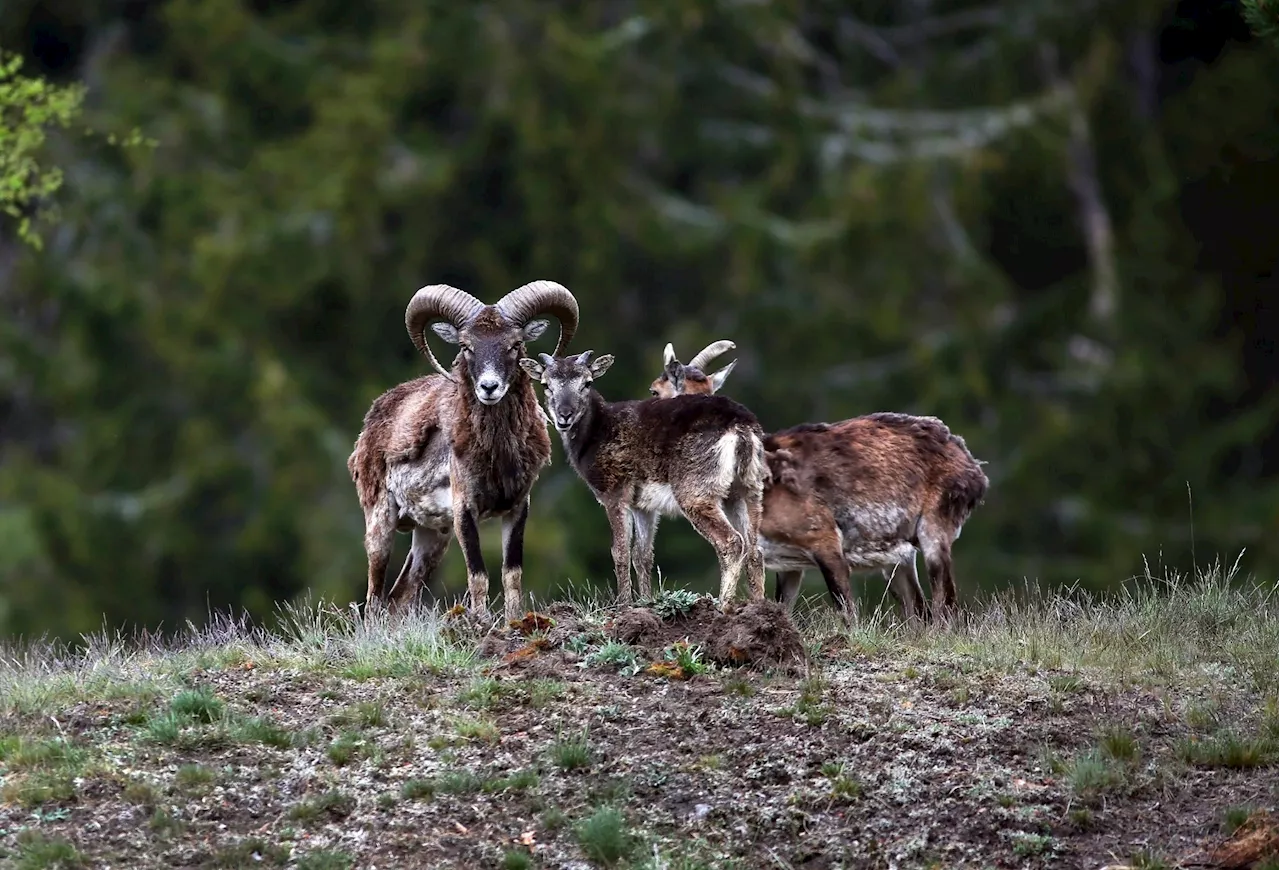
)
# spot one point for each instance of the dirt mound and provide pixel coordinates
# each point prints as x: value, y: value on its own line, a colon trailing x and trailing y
x: 636, y: 626
x: 1251, y: 844
x: 758, y: 633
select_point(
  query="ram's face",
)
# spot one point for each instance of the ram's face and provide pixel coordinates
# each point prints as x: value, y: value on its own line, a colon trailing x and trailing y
x: 489, y: 351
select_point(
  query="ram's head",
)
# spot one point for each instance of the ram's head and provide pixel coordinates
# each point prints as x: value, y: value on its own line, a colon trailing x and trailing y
x: 689, y: 378
x: 490, y: 338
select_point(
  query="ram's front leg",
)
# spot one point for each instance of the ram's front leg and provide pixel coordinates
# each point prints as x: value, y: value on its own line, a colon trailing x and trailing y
x: 513, y: 559
x: 467, y: 530
x: 620, y: 526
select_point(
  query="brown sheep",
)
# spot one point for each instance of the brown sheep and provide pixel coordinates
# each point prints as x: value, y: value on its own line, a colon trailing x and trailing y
x: 442, y: 453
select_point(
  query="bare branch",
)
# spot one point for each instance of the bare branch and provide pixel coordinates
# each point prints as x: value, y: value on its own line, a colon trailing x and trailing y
x: 1082, y: 176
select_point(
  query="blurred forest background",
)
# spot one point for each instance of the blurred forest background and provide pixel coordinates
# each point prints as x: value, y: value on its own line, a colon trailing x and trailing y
x: 1053, y: 225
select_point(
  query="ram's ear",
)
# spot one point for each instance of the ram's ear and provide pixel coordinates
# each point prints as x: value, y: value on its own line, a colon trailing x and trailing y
x: 600, y: 366
x: 534, y: 329
x: 533, y: 368
x: 446, y: 330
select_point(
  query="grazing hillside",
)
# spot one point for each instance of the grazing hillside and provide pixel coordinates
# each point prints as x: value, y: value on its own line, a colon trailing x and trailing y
x: 1138, y: 730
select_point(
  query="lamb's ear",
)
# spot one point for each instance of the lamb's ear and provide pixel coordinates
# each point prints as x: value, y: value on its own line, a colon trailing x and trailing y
x: 674, y: 370
x: 533, y: 368
x: 600, y: 366
x: 446, y: 330
x: 717, y: 380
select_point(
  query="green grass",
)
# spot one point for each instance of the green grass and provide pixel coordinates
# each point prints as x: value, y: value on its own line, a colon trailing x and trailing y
x: 36, y: 851
x: 264, y: 730
x: 346, y: 748
x: 325, y: 859
x: 198, y: 705
x: 250, y: 852
x: 334, y: 804
x: 1229, y: 748
x: 571, y: 753
x: 605, y: 838
x: 1118, y: 742
x: 1093, y: 775
x: 40, y: 770
x: 481, y: 729
x: 1175, y: 630
x: 194, y: 776
x: 514, y: 860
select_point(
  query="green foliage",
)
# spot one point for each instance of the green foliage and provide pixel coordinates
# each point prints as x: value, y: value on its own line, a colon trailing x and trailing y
x: 28, y: 107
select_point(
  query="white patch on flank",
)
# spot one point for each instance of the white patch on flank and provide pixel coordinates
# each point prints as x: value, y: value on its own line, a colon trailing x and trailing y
x: 726, y: 460
x: 657, y: 498
x: 421, y: 493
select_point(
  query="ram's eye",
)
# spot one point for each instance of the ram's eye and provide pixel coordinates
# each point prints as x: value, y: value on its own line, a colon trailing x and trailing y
x: 653, y: 393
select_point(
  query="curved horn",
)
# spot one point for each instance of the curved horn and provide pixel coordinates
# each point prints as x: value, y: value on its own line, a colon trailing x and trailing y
x: 543, y: 297
x: 437, y: 301
x: 710, y: 352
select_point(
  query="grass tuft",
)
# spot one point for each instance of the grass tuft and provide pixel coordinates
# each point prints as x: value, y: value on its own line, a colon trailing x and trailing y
x: 326, y: 859
x: 334, y: 804
x: 571, y: 753
x: 604, y: 837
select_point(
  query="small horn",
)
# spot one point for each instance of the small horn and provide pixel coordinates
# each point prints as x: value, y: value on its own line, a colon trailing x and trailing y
x: 543, y: 297
x: 710, y: 352
x: 668, y: 354
x: 437, y: 301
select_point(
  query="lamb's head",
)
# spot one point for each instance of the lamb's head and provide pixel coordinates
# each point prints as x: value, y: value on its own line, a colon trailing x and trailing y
x: 490, y: 337
x: 567, y: 381
x: 689, y: 379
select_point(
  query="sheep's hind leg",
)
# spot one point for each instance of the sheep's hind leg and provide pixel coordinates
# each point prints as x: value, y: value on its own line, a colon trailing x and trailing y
x: 787, y: 588
x: 709, y: 520
x: 620, y: 527
x: 429, y: 546
x: 644, y: 529
x: 379, y: 541
x: 744, y: 515
x: 904, y: 585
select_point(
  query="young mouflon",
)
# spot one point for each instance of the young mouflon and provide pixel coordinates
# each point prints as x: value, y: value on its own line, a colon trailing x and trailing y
x: 700, y: 457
